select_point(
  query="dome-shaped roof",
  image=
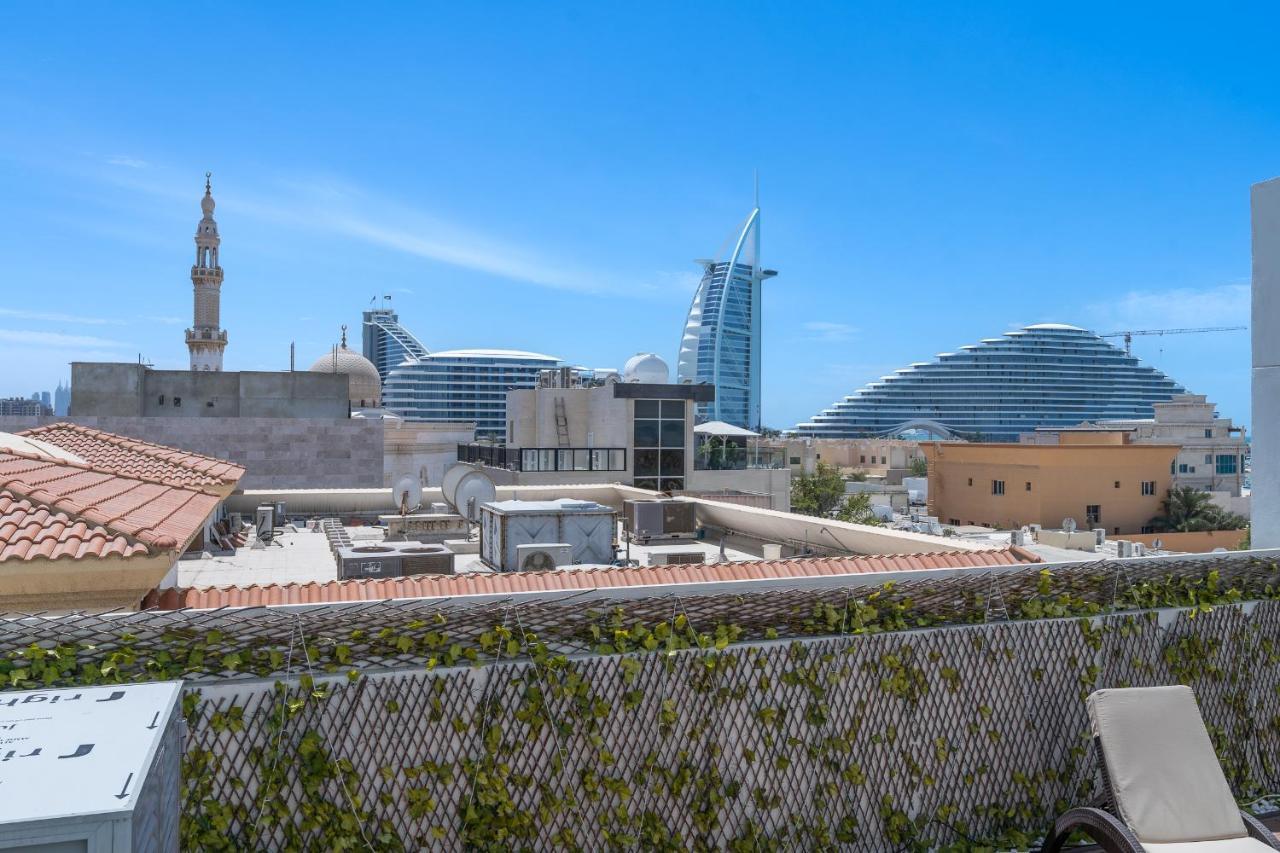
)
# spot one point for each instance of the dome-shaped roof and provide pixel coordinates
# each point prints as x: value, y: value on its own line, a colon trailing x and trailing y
x: 647, y: 368
x: 366, y: 385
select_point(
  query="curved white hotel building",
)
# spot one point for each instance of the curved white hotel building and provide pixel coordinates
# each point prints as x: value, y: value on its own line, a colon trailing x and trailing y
x: 721, y: 341
x: 387, y: 343
x: 1045, y: 375
x: 463, y: 385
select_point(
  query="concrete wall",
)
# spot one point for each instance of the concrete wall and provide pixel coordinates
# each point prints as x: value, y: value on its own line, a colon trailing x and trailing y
x: 421, y: 450
x: 1193, y: 543
x: 132, y: 390
x: 1043, y: 484
x: 1266, y: 364
x: 277, y: 452
x: 774, y: 482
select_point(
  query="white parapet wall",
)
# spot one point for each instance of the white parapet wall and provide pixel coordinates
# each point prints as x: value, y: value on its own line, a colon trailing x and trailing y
x: 1265, y: 498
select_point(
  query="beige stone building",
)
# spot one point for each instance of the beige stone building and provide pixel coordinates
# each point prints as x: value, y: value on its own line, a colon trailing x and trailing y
x: 1212, y: 450
x: 886, y: 459
x: 1097, y: 479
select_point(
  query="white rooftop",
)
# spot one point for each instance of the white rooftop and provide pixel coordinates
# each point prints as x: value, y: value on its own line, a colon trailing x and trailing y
x: 724, y: 429
x: 488, y: 353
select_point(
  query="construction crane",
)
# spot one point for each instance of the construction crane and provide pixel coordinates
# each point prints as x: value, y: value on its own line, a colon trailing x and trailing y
x: 1129, y: 333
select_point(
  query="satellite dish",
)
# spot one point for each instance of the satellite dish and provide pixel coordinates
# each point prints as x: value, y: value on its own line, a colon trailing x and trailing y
x: 407, y: 494
x: 466, y: 488
x: 1069, y: 525
x: 1157, y: 544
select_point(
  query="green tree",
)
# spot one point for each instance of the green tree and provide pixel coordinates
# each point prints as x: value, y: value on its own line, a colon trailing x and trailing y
x: 919, y: 467
x: 818, y: 493
x: 1188, y: 510
x: 857, y: 509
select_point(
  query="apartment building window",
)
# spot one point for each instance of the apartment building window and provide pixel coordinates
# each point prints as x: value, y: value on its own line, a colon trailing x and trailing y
x: 659, y: 434
x: 1028, y: 485
x: 177, y: 402
x: 997, y: 487
x: 1148, y: 487
x: 954, y: 522
x: 1208, y: 433
x: 1117, y: 484
x: 1093, y: 514
x: 1147, y: 528
x: 1182, y: 469
x: 863, y: 459
x: 162, y: 399
x: 884, y: 460
x: 795, y: 460
x: 1226, y: 463
x: 1208, y: 457
x: 970, y: 481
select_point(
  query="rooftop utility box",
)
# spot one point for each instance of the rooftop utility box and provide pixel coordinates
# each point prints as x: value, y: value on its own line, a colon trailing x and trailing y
x: 91, y: 769
x: 393, y: 560
x: 648, y: 520
x: 587, y: 527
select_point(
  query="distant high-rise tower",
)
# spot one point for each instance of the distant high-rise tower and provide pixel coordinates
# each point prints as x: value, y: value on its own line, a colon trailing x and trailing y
x: 721, y: 342
x: 62, y: 399
x: 206, y: 339
x: 386, y: 343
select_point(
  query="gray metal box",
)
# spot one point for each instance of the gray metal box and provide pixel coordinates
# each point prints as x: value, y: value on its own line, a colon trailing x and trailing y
x: 588, y: 527
x: 92, y: 769
x: 660, y: 519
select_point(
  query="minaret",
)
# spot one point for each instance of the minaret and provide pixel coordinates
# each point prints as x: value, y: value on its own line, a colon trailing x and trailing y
x: 205, y: 339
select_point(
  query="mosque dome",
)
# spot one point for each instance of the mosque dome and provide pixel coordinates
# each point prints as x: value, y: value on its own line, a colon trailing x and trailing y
x: 365, y: 384
x: 647, y: 368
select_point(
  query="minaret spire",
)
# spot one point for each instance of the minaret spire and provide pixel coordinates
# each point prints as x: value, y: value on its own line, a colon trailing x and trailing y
x: 206, y: 339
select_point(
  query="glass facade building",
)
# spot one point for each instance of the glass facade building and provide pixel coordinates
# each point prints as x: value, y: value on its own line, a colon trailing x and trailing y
x: 721, y: 341
x: 1046, y: 375
x: 463, y: 385
x: 386, y: 343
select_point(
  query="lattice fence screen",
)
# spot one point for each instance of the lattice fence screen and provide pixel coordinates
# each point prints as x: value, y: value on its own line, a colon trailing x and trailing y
x: 951, y: 735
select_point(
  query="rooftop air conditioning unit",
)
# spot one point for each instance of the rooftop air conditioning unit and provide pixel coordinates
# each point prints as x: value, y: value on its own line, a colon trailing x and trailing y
x: 1035, y: 529
x: 1124, y: 548
x: 1099, y: 536
x: 419, y: 559
x: 544, y: 558
x: 660, y: 519
x: 1139, y: 550
x: 676, y: 558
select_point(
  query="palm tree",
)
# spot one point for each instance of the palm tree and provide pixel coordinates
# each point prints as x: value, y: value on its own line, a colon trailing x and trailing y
x: 1187, y: 510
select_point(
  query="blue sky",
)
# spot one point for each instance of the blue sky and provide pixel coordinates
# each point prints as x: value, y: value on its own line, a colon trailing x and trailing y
x: 540, y: 176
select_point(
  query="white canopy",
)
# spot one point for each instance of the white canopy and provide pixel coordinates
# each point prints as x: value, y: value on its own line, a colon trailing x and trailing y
x: 723, y: 429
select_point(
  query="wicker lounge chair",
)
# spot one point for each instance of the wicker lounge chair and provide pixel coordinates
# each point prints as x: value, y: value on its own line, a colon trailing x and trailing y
x: 1165, y: 791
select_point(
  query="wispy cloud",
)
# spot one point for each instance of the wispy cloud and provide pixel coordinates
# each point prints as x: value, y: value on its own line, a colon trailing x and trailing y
x: 54, y: 317
x: 827, y: 332
x: 127, y: 162
x: 56, y: 339
x: 344, y: 210
x: 1221, y: 305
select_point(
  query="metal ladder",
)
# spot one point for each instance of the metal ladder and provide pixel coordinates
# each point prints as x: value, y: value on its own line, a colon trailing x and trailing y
x: 562, y: 423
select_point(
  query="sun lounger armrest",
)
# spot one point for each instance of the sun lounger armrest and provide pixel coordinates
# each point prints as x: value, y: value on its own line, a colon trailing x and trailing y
x: 1258, y: 831
x: 1103, y: 827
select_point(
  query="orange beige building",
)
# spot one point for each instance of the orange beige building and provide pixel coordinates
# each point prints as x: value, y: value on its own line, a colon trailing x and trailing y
x: 1097, y: 479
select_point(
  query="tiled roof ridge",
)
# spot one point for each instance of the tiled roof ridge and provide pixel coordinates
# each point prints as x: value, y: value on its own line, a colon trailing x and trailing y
x: 199, y: 463
x: 98, y: 469
x: 91, y: 512
x: 70, y: 519
x: 176, y: 598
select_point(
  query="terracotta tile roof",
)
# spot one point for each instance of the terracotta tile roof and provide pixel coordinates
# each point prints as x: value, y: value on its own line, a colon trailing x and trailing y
x: 140, y: 459
x: 30, y: 530
x: 432, y: 586
x: 126, y: 499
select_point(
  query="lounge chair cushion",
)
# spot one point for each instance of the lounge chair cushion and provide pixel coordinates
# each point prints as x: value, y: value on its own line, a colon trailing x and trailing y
x: 1165, y: 776
x: 1224, y: 845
